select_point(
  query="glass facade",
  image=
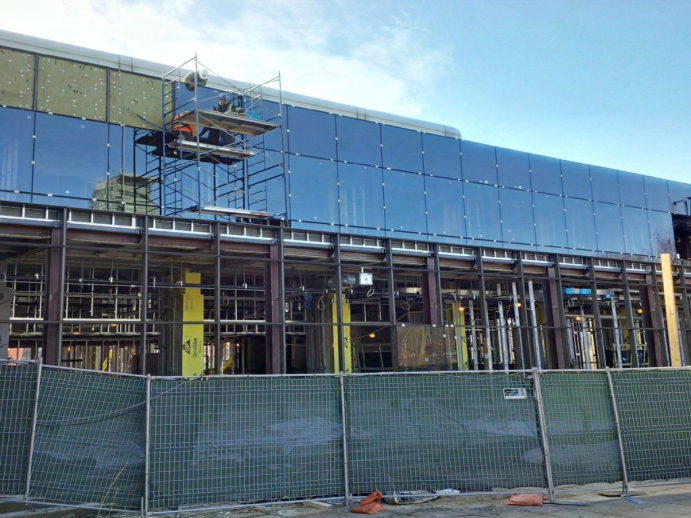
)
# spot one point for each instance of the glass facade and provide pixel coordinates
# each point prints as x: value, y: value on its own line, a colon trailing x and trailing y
x: 379, y: 239
x: 321, y: 170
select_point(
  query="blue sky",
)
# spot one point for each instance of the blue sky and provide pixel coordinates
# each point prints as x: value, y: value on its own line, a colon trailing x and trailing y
x: 605, y: 82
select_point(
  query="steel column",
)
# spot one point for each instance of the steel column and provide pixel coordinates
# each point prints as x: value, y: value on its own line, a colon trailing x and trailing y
x: 218, y: 350
x: 392, y: 306
x: 273, y: 289
x: 55, y: 292
x: 144, y: 301
x: 599, y: 335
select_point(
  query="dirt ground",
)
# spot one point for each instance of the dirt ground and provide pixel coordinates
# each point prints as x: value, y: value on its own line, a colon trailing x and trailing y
x: 658, y: 501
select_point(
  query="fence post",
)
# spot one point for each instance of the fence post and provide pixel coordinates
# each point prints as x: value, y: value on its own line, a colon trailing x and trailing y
x: 147, y: 445
x: 345, y: 440
x: 34, y: 418
x: 625, y: 478
x: 543, y: 433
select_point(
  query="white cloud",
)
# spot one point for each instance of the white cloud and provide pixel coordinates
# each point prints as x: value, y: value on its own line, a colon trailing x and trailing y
x: 323, y: 49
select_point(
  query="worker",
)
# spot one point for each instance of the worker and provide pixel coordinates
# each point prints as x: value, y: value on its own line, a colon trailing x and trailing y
x: 216, y: 136
x: 183, y: 130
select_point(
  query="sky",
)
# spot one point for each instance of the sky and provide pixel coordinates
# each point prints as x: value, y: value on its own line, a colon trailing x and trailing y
x: 605, y: 82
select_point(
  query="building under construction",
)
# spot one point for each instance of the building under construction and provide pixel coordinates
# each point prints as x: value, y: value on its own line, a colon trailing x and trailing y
x: 166, y: 220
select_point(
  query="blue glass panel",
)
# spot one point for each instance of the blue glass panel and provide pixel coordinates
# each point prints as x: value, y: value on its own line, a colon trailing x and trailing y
x: 402, y: 149
x: 442, y: 156
x: 479, y: 162
x: 311, y: 133
x: 661, y: 232
x: 189, y: 186
x: 656, y: 193
x: 518, y: 223
x: 636, y: 232
x: 605, y: 184
x: 546, y: 174
x: 272, y: 192
x: 358, y: 141
x: 550, y: 222
x: 404, y: 196
x: 313, y: 190
x: 121, y: 150
x: 631, y: 189
x: 678, y: 191
x: 208, y: 97
x: 71, y: 156
x: 62, y: 201
x: 580, y: 224
x: 483, y: 220
x: 16, y: 151
x: 362, y: 199
x: 514, y: 169
x: 610, y: 232
x: 444, y: 207
x: 575, y: 178
x: 184, y: 98
x: 267, y: 111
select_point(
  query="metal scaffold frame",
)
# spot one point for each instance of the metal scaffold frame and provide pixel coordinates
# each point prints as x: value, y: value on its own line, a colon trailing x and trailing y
x: 213, y: 162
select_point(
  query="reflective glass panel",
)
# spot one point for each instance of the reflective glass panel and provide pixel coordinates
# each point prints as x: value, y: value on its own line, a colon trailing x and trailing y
x: 656, y: 193
x: 311, y: 133
x: 483, y: 220
x: 631, y: 189
x: 610, y: 232
x: 479, y: 162
x: 546, y: 174
x: 266, y: 182
x: 518, y: 224
x: 121, y: 190
x: 362, y: 198
x: 313, y: 190
x: 580, y: 224
x: 16, y: 151
x: 575, y: 178
x: 442, y: 156
x: 358, y: 141
x: 550, y: 222
x: 636, y: 232
x: 514, y: 169
x: 661, y: 232
x: 71, y: 156
x: 121, y: 150
x: 404, y: 195
x: 268, y: 111
x: 678, y: 191
x: 273, y: 193
x: 605, y: 184
x: 61, y: 201
x: 402, y: 149
x: 190, y: 187
x: 444, y: 207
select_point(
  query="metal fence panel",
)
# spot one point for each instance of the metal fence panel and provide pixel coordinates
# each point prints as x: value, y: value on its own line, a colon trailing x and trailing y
x: 442, y: 431
x: 17, y: 395
x: 224, y: 440
x: 581, y: 428
x: 655, y: 418
x: 89, y: 445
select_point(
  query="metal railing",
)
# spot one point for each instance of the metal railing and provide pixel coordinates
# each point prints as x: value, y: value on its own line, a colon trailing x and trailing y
x: 151, y: 445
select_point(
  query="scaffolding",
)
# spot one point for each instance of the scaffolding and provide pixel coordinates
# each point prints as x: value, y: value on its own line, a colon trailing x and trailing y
x: 223, y: 161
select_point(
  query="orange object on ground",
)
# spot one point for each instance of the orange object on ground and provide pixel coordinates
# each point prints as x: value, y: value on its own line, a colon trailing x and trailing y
x: 371, y: 504
x: 526, y: 499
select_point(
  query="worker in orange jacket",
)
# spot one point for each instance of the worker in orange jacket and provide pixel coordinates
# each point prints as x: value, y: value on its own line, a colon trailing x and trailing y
x: 184, y: 130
